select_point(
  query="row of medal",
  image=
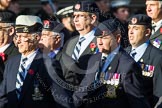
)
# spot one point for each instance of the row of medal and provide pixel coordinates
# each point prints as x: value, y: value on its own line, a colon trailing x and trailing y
x: 147, y: 70
x: 110, y: 78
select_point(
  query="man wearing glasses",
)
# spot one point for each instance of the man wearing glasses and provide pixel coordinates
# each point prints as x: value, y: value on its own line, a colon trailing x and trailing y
x: 7, y: 47
x: 26, y: 82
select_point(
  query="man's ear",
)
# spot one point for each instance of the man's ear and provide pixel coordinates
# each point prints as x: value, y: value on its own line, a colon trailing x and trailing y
x: 11, y: 31
x: 94, y: 18
x: 147, y: 32
x: 118, y: 37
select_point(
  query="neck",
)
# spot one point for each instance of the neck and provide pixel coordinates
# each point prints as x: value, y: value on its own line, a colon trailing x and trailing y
x: 83, y: 32
x: 25, y: 54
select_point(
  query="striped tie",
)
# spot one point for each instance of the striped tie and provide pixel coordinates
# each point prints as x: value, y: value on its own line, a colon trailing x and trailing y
x: 77, y: 49
x: 20, y: 77
x: 133, y: 53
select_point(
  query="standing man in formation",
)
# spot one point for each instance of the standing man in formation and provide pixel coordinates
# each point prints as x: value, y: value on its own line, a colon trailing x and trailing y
x: 85, y: 19
x: 114, y: 79
x: 22, y: 84
x: 148, y: 56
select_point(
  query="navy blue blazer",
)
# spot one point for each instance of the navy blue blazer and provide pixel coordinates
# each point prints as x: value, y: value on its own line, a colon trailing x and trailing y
x: 129, y: 93
x: 8, y: 96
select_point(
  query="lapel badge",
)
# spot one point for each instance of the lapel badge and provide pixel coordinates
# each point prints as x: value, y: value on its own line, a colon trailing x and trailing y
x: 37, y: 93
x: 110, y: 68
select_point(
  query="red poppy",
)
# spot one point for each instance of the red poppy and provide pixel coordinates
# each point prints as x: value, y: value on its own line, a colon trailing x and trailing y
x: 92, y: 45
x: 31, y: 71
x: 3, y: 56
x: 161, y: 30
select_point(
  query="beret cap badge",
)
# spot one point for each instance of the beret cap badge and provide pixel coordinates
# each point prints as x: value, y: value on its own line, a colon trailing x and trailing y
x: 134, y: 20
x: 25, y: 30
x: 46, y: 24
x: 77, y: 6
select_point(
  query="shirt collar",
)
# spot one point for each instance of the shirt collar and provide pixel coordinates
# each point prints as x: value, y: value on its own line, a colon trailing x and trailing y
x: 113, y: 52
x: 2, y: 49
x: 89, y: 34
x: 159, y: 23
x: 31, y: 54
x: 141, y: 47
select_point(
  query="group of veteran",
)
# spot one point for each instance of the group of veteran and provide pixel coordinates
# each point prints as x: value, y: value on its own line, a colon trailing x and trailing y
x: 92, y: 69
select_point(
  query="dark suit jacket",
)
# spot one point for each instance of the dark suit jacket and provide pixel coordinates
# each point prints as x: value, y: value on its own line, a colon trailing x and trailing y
x: 8, y: 96
x: 65, y: 58
x: 11, y: 51
x: 152, y: 85
x: 157, y: 35
x: 1, y: 69
x: 129, y: 93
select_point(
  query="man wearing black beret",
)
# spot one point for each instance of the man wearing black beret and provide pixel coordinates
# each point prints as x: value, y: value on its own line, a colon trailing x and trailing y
x: 85, y: 20
x: 52, y: 38
x: 114, y: 79
x: 7, y: 32
x: 149, y: 57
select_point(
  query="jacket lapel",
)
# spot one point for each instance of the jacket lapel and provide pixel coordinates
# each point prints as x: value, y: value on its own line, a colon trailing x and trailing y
x: 71, y: 46
x: 156, y: 34
x: 88, y: 50
x: 29, y: 77
x: 15, y: 71
x: 146, y: 55
x: 112, y: 68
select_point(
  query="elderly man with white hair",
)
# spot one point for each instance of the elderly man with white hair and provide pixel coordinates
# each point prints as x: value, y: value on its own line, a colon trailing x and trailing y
x: 26, y: 82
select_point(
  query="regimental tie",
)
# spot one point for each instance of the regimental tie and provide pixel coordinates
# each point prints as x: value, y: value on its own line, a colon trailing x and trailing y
x: 133, y: 53
x: 20, y: 77
x: 153, y: 28
x: 77, y: 49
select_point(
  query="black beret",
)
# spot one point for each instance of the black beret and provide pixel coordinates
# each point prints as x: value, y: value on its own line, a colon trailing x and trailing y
x: 140, y: 19
x: 52, y: 26
x: 7, y: 16
x: 85, y: 6
x: 107, y: 27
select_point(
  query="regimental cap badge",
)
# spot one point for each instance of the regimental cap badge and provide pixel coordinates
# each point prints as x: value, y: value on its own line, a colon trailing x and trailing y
x: 134, y: 20
x: 46, y: 24
x: 0, y: 18
x: 25, y: 30
x: 77, y: 6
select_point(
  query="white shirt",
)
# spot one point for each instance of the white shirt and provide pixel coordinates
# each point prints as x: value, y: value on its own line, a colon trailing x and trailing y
x: 28, y: 62
x: 2, y: 49
x: 140, y: 51
x: 157, y: 24
x: 88, y: 38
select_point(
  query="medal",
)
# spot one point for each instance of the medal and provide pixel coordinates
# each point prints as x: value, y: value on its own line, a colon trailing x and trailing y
x: 37, y: 93
x: 111, y: 91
